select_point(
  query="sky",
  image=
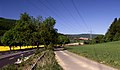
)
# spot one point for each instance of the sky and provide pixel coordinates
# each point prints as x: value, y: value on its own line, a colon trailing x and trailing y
x: 72, y: 16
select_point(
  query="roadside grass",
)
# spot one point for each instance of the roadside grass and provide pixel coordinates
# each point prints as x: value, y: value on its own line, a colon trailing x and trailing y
x: 105, y: 53
x: 6, y: 48
x: 48, y: 62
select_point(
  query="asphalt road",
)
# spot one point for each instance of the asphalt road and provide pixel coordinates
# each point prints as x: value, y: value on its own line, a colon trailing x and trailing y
x: 12, y: 58
x: 70, y: 61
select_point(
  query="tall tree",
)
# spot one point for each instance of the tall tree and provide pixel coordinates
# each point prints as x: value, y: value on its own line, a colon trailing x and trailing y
x: 98, y: 39
x: 8, y: 38
x: 31, y: 31
x: 111, y: 31
x: 63, y: 40
x: 36, y: 34
x: 48, y: 32
x: 21, y: 33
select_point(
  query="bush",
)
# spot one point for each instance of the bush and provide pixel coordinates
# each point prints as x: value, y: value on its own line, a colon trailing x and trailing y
x: 88, y: 42
x: 9, y: 67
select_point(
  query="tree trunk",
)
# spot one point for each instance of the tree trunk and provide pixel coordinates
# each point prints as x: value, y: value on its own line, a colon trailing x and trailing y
x: 13, y: 47
x: 20, y: 47
x: 10, y: 48
x: 37, y: 45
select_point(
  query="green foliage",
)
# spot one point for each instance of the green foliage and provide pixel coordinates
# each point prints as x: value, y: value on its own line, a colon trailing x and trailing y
x: 63, y: 39
x: 48, y: 33
x: 88, y: 42
x: 113, y: 33
x: 38, y: 51
x: 48, y: 62
x: 8, y: 38
x: 9, y: 67
x: 117, y: 36
x: 20, y: 34
x: 6, y: 24
x: 106, y: 53
x: 98, y: 39
x: 31, y: 31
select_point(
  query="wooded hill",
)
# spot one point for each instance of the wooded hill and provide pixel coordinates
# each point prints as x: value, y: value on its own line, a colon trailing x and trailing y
x: 72, y: 36
x: 113, y: 33
x: 6, y: 24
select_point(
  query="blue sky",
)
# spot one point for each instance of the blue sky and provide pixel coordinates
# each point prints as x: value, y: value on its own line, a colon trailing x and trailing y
x: 90, y: 15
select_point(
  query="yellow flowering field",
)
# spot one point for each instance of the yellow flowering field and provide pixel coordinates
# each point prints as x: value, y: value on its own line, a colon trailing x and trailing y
x: 6, y: 48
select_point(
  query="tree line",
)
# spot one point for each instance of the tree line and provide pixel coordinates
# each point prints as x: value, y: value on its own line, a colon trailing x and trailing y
x: 6, y: 24
x: 33, y: 31
x: 112, y: 34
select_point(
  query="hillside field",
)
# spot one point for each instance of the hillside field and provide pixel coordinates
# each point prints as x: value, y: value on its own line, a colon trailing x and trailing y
x: 106, y: 53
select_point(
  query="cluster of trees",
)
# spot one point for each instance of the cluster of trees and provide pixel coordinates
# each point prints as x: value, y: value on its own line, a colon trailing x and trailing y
x: 98, y: 39
x: 5, y: 25
x: 32, y: 31
x: 113, y: 33
x: 62, y: 39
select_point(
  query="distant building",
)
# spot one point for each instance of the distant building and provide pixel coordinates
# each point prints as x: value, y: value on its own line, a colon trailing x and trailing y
x: 82, y: 38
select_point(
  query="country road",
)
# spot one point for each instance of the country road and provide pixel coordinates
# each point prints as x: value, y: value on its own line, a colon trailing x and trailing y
x: 70, y: 61
x: 12, y: 58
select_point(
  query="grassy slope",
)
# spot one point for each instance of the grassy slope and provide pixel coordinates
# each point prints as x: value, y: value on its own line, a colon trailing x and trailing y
x: 107, y: 53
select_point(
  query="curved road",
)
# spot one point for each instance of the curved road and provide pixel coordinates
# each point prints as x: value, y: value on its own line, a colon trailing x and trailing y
x: 70, y: 61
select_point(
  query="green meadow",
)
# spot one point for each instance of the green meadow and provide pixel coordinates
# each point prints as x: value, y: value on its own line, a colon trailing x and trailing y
x: 105, y: 53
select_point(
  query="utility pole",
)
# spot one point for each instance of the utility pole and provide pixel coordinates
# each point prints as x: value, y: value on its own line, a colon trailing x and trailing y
x: 90, y: 39
x: 91, y: 34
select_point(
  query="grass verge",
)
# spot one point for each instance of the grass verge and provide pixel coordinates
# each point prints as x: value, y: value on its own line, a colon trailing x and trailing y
x: 106, y: 53
x: 48, y: 62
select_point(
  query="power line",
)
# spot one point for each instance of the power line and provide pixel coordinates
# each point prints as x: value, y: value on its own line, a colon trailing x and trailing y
x: 44, y: 5
x: 79, y: 13
x: 37, y: 7
x: 53, y: 12
x: 68, y: 11
x: 62, y: 16
x: 47, y: 7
